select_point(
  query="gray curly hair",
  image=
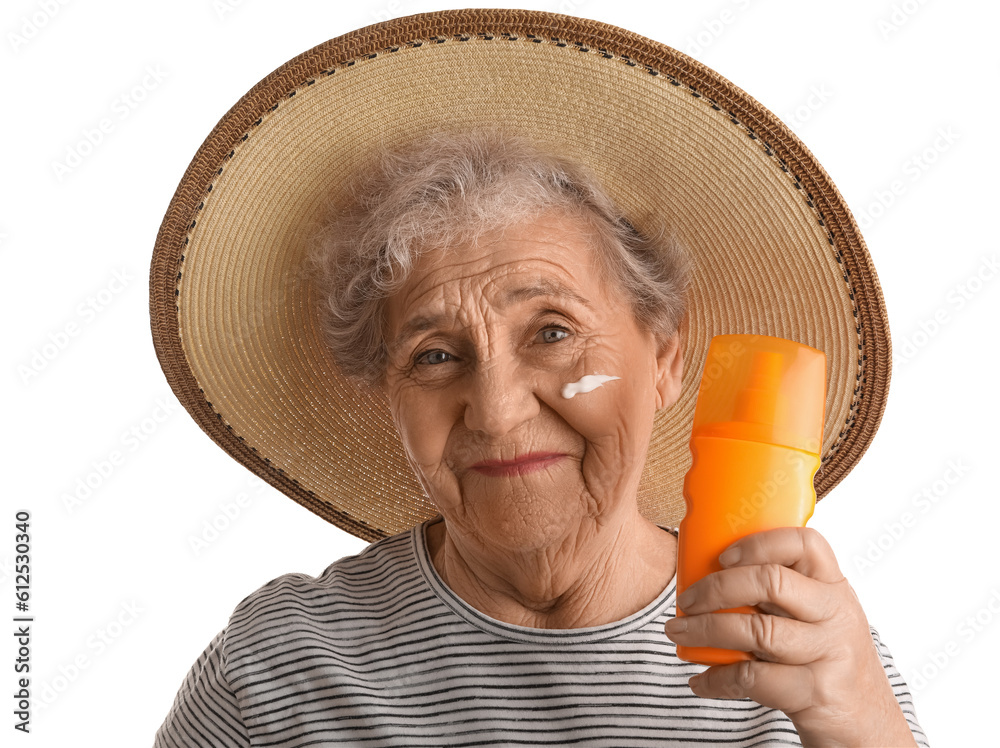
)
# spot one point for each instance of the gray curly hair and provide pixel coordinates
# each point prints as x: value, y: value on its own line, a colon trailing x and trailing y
x: 445, y: 191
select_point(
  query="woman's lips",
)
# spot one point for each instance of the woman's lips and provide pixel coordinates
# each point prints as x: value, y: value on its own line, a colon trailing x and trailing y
x: 528, y: 463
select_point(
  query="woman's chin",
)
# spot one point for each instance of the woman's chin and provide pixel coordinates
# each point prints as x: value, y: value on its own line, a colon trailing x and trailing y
x: 524, y: 523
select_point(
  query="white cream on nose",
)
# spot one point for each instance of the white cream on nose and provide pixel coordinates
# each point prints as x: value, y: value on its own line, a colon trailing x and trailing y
x: 586, y: 384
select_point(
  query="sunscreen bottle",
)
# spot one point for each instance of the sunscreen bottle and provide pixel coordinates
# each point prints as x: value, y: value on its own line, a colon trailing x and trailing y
x: 755, y: 447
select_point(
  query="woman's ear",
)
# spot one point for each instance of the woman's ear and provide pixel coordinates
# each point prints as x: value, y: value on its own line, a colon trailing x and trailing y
x: 669, y: 370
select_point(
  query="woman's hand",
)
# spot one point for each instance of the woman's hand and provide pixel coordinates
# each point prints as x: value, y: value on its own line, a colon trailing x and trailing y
x: 816, y: 659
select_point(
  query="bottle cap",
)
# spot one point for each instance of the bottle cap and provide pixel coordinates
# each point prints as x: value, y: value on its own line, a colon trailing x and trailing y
x: 765, y: 389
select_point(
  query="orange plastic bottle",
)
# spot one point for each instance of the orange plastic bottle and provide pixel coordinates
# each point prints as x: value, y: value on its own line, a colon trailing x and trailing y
x: 756, y: 445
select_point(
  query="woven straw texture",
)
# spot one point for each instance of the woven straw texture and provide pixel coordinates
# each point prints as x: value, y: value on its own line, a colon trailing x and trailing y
x: 776, y: 251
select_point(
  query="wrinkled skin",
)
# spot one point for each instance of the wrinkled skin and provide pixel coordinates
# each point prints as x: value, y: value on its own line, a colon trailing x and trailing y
x: 564, y: 546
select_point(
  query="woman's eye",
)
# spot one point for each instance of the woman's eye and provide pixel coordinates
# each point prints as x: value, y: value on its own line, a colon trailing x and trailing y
x: 554, y: 334
x: 433, y: 357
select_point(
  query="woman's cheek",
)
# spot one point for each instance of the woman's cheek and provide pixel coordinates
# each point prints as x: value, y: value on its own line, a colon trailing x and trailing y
x: 599, y: 409
x: 421, y: 421
x: 611, y: 466
x: 615, y: 419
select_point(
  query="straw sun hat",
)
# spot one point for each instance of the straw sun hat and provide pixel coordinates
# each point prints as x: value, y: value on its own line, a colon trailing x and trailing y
x: 774, y: 247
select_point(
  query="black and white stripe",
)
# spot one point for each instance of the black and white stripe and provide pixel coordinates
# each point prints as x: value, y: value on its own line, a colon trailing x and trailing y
x: 377, y: 651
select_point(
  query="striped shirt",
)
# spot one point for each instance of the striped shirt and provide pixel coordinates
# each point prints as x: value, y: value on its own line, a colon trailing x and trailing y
x: 377, y: 651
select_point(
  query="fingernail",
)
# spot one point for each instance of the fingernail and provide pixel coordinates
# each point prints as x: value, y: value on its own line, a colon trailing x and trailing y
x: 687, y: 598
x: 731, y: 556
x: 677, y: 625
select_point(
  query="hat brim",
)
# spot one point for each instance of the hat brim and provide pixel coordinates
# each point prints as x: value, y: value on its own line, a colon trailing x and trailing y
x: 775, y: 249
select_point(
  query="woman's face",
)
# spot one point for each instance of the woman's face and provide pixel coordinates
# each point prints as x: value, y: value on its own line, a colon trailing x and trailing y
x: 482, y: 340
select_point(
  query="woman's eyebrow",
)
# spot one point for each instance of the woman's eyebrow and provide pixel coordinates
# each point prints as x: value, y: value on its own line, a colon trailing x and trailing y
x: 414, y: 327
x: 542, y: 287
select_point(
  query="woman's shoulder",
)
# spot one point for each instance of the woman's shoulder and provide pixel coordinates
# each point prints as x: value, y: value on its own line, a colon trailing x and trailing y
x: 378, y: 569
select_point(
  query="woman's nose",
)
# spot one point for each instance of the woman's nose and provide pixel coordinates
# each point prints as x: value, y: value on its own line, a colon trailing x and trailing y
x: 500, y: 398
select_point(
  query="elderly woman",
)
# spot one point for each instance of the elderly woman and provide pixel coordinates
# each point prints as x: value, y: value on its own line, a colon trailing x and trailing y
x: 533, y: 609
x: 480, y: 367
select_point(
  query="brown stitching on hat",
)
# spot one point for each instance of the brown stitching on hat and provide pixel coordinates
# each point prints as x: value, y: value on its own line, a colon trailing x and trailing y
x: 604, y: 53
x: 338, y: 517
x: 342, y: 518
x: 307, y: 497
x: 810, y: 202
x: 211, y: 186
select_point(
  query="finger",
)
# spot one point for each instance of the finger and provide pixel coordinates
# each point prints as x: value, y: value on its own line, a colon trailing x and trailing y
x: 768, y: 638
x: 800, y: 548
x: 785, y: 687
x: 799, y: 596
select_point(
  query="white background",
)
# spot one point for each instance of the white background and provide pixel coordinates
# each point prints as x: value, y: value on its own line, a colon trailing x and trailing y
x: 886, y: 94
